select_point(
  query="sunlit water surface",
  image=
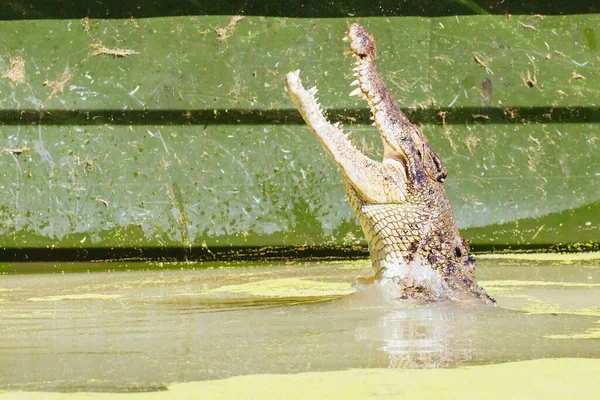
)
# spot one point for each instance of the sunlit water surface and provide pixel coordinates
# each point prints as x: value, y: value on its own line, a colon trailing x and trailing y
x: 139, y: 327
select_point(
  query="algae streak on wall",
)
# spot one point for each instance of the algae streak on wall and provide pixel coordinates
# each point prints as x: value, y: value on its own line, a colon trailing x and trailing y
x: 174, y: 136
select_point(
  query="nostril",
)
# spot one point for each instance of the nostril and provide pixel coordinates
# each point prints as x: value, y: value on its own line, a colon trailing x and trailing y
x: 457, y: 252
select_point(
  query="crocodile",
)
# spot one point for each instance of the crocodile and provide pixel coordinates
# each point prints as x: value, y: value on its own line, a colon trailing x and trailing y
x: 401, y: 204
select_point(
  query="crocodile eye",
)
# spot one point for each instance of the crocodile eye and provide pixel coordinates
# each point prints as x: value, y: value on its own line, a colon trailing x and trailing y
x: 457, y: 252
x: 471, y: 261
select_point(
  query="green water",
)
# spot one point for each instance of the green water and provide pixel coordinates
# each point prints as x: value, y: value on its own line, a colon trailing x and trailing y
x: 141, y: 327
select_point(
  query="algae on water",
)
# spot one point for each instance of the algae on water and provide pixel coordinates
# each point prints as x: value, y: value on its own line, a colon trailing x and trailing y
x: 548, y: 379
x: 287, y: 287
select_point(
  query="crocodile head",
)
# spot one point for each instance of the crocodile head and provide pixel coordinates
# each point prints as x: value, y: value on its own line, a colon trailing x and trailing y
x: 400, y: 202
x: 400, y: 138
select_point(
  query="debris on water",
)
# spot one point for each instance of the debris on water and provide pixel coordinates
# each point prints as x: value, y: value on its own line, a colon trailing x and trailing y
x: 471, y: 143
x: 482, y: 64
x: 59, y: 85
x: 560, y: 53
x: 224, y: 33
x: 442, y: 115
x: 530, y: 81
x: 101, y: 202
x: 16, y: 71
x: 101, y: 50
x: 510, y: 113
x: 528, y: 26
x: 85, y: 23
x: 482, y: 117
x: 17, y: 151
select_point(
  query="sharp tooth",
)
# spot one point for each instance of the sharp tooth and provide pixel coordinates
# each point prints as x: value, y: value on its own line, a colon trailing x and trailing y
x: 355, y: 69
x: 355, y: 83
x: 313, y: 90
x: 372, y: 118
x: 346, y: 39
x: 348, y: 52
x: 356, y: 92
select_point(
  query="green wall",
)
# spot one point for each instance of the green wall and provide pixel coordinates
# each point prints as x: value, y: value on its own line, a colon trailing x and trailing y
x: 191, y: 148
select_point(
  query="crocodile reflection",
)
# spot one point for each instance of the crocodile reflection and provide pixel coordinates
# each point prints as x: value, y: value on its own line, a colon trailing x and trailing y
x: 421, y: 338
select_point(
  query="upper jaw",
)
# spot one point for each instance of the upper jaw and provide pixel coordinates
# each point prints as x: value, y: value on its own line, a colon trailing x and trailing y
x: 402, y: 141
x: 362, y: 46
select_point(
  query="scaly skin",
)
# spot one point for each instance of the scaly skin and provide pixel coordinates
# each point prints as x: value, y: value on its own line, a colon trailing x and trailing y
x: 401, y: 203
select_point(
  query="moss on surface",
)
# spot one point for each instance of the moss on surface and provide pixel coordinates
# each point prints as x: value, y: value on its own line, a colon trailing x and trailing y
x: 540, y: 379
x: 561, y: 257
x: 589, y: 334
x: 520, y: 284
x: 86, y: 296
x: 289, y: 287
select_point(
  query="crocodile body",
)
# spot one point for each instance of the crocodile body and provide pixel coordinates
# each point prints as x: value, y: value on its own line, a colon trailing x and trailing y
x: 400, y: 202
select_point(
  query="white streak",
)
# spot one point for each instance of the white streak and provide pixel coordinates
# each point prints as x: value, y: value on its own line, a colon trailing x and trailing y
x: 453, y: 101
x: 134, y: 90
x: 159, y: 135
